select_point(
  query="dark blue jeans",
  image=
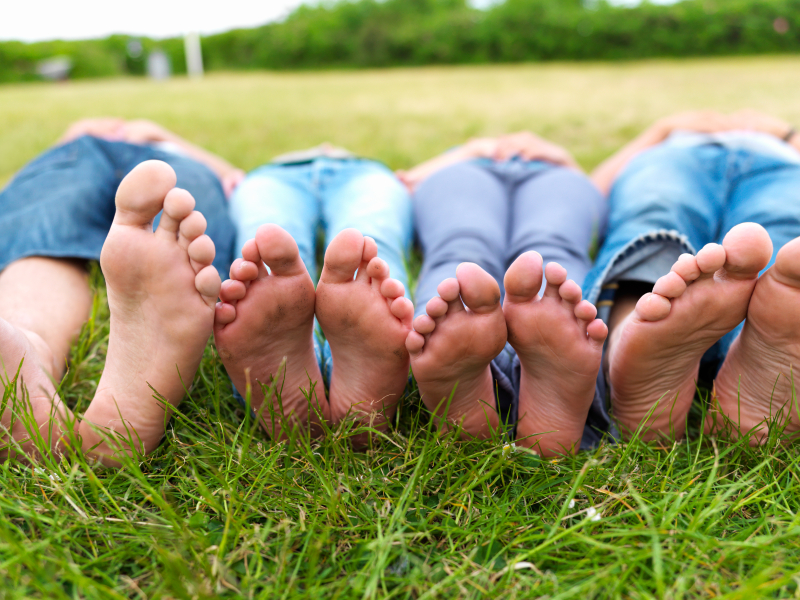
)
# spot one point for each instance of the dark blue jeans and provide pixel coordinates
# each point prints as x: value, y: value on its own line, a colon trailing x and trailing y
x: 61, y: 204
x: 489, y: 213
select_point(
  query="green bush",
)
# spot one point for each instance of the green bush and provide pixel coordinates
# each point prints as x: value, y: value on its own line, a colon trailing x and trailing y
x: 379, y: 33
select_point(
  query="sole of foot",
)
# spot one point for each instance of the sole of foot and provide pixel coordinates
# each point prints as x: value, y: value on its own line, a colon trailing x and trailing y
x: 161, y: 293
x: 559, y: 343
x: 755, y: 386
x: 366, y: 319
x: 452, y: 346
x: 264, y: 332
x: 654, y: 353
x: 34, y: 409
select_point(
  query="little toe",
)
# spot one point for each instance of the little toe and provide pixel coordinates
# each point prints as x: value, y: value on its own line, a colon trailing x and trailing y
x: 437, y: 307
x: 479, y: 290
x: 748, y: 249
x: 598, y: 331
x: 570, y: 292
x: 244, y: 270
x: 343, y: 257
x: 391, y: 288
x: 224, y: 314
x: 424, y: 324
x: 232, y: 291
x: 208, y: 283
x: 523, y: 280
x: 279, y: 251
x: 201, y: 252
x: 670, y: 285
x: 191, y: 228
x: 403, y: 310
x: 178, y: 204
x: 140, y: 196
x: 652, y: 307
x: 415, y: 342
x: 710, y: 259
x: 555, y: 275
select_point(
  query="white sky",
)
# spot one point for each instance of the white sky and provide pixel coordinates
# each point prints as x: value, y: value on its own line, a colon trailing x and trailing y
x: 33, y: 20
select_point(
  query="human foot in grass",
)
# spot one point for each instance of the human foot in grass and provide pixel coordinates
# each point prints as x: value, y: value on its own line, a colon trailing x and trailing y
x: 654, y: 353
x: 161, y: 294
x: 757, y: 383
x: 560, y: 347
x: 451, y: 348
x: 26, y: 358
x: 366, y: 321
x: 266, y: 318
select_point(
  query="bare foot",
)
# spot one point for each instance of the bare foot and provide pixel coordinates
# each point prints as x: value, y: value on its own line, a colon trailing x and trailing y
x: 560, y: 347
x: 266, y: 317
x: 756, y: 383
x: 451, y: 348
x: 654, y: 354
x: 366, y: 321
x: 33, y: 395
x: 161, y: 292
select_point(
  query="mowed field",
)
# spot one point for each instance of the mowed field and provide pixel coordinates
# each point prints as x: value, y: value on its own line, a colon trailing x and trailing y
x: 219, y: 510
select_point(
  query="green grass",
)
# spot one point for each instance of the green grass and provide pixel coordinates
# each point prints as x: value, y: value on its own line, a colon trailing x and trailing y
x: 220, y: 510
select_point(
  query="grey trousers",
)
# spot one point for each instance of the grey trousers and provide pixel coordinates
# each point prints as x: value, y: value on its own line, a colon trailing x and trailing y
x: 489, y: 213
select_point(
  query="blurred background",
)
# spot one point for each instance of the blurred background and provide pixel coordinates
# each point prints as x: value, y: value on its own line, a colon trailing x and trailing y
x: 398, y: 80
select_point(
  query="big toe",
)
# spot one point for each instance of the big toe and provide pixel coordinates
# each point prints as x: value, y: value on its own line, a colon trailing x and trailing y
x: 748, y: 249
x: 479, y: 290
x: 278, y: 249
x: 524, y: 277
x: 343, y: 256
x: 140, y: 196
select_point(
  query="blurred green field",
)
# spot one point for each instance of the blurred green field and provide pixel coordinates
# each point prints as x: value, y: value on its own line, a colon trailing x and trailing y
x: 403, y: 116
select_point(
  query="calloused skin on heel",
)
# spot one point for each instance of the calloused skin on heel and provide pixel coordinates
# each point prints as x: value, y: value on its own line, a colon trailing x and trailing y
x: 559, y: 343
x: 452, y: 346
x: 161, y: 293
x: 264, y: 329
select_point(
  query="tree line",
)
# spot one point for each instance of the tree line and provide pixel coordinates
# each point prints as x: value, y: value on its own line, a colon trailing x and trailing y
x: 383, y: 33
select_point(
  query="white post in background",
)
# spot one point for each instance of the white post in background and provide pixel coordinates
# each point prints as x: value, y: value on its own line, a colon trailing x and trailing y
x: 194, y: 55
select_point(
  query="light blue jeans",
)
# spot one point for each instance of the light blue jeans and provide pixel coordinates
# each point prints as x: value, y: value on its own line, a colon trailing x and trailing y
x: 329, y: 195
x: 673, y: 199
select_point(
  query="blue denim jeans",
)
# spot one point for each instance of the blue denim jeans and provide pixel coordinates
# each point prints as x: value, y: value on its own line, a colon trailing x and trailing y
x: 332, y: 195
x: 61, y: 204
x: 489, y: 213
x: 674, y: 199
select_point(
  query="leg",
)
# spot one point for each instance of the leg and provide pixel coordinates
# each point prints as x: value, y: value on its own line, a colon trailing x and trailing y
x: 462, y: 217
x: 366, y: 196
x: 161, y: 292
x: 755, y: 388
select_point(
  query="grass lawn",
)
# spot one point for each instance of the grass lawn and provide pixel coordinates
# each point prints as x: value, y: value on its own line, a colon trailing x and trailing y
x: 220, y: 510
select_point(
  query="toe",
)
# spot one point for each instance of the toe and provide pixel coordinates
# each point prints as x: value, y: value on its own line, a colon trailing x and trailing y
x: 244, y: 270
x: 479, y: 290
x: 670, y: 285
x: 391, y: 288
x: 250, y: 251
x: 208, y: 283
x: 377, y: 270
x: 343, y: 257
x: 414, y: 343
x: 191, y: 228
x: 686, y: 267
x: 585, y: 311
x: 403, y: 310
x: 232, y: 291
x: 555, y: 275
x: 652, y: 307
x: 201, y: 252
x: 787, y: 264
x: 710, y: 259
x: 523, y: 279
x: 224, y: 314
x: 279, y: 251
x: 448, y: 290
x: 570, y: 292
x: 140, y: 196
x: 178, y: 205
x: 748, y: 249
x: 597, y: 330
x: 436, y: 307
x: 424, y: 324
